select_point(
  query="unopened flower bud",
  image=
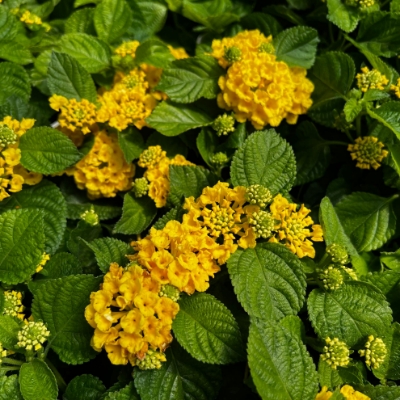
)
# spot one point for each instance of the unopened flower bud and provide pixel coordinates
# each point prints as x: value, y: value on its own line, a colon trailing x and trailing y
x: 375, y: 352
x: 7, y: 136
x: 152, y: 360
x: 13, y: 304
x: 32, y: 336
x: 258, y: 195
x: 336, y: 353
x: 140, y: 187
x: 224, y: 124
x: 219, y: 159
x: 232, y: 54
x: 170, y: 291
x: 331, y: 277
x: 262, y: 224
x: 338, y: 254
x: 90, y: 217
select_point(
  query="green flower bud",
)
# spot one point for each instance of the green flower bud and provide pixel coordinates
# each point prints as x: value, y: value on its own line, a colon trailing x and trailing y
x: 224, y: 124
x: 152, y: 360
x: 169, y: 291
x: 219, y: 159
x: 350, y: 272
x: 336, y: 353
x: 258, y: 195
x: 262, y: 224
x: 375, y: 352
x: 7, y: 136
x: 140, y: 187
x: 90, y: 216
x: 338, y: 254
x: 32, y: 336
x: 13, y: 304
x: 331, y: 277
x: 232, y: 54
x: 266, y: 48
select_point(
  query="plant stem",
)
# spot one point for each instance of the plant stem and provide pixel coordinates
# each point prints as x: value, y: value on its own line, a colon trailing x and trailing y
x: 60, y: 380
x: 11, y: 361
x: 5, y: 369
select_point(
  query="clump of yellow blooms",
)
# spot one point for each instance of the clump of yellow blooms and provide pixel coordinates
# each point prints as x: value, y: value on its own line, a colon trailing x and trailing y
x: 256, y: 86
x: 336, y: 353
x: 43, y: 261
x: 127, y: 49
x: 32, y: 336
x: 3, y: 351
x: 180, y: 255
x: 375, y: 352
x: 156, y: 162
x: 292, y: 227
x: 130, y: 318
x: 361, y: 4
x: 368, y: 152
x: 396, y: 88
x: 74, y: 115
x: 103, y: 171
x: 30, y: 19
x: 13, y: 304
x: 371, y: 79
x: 348, y: 392
x: 12, y: 174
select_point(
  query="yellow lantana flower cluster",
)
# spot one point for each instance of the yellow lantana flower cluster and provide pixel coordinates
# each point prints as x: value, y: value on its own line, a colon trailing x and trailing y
x: 42, y: 262
x: 12, y: 174
x: 75, y: 115
x: 348, y: 392
x: 256, y: 86
x: 156, y: 162
x: 371, y: 79
x: 13, y: 304
x: 129, y: 315
x: 368, y: 152
x: 103, y: 171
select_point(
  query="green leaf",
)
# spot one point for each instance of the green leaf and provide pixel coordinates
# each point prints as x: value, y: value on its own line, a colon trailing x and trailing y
x: 148, y: 17
x: 137, y: 214
x: 21, y: 244
x: 190, y: 79
x: 367, y: 219
x: 180, y: 377
x: 391, y: 260
x: 9, y: 328
x: 187, y: 180
x: 66, y: 77
x: 268, y: 280
x: 279, y: 363
x: 81, y: 21
x: 61, y: 303
x: 325, y: 113
x: 111, y: 19
x: 312, y: 153
x: 131, y: 143
x: 342, y: 15
x: 93, y: 54
x: 381, y: 66
x: 387, y: 114
x: 127, y: 393
x: 207, y: 330
x: 13, y: 51
x: 297, y: 46
x: 37, y: 381
x: 47, y: 197
x: 84, y: 387
x: 336, y: 377
x: 207, y: 143
x: 175, y: 213
x: 9, y: 388
x: 47, y: 150
x: 352, y: 108
x: 154, y: 52
x: 380, y: 392
x: 109, y: 250
x: 351, y: 313
x: 172, y: 147
x: 265, y: 159
x: 378, y: 33
x: 8, y: 24
x: 172, y: 119
x: 265, y: 23
x: 14, y: 81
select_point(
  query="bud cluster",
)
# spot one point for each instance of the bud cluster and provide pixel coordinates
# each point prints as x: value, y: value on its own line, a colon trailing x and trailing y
x: 33, y: 335
x: 152, y: 360
x: 140, y: 187
x: 90, y: 217
x: 375, y: 352
x: 224, y: 124
x: 7, y: 136
x: 262, y: 223
x: 169, y: 291
x: 336, y: 353
x: 331, y: 277
x: 258, y: 195
x: 13, y: 304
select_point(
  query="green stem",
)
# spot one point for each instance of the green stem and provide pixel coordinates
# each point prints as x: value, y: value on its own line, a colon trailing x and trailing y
x: 337, y: 142
x: 11, y: 361
x: 60, y: 380
x: 348, y: 134
x: 6, y: 369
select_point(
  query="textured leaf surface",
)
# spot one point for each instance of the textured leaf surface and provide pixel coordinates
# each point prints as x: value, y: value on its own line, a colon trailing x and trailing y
x: 279, y: 363
x: 175, y: 213
x: 186, y: 181
x: 131, y: 143
x: 93, y: 54
x: 8, y: 24
x: 190, y: 79
x: 154, y: 52
x: 207, y: 330
x: 335, y: 377
x: 180, y: 377
x: 37, y: 381
x: 12, y: 51
x: 297, y: 46
x: 84, y: 387
x: 388, y: 115
x: 60, y: 303
x: 343, y: 16
x: 172, y: 120
x: 9, y: 328
x: 47, y: 150
x: 9, y: 388
x: 66, y: 77
x: 265, y: 159
x: 268, y: 280
x: 351, y: 313
x: 265, y: 23
x: 380, y: 392
x: 127, y: 393
x: 46, y: 197
x: 137, y: 214
x: 81, y: 21
x: 21, y: 244
x: 14, y: 81
x: 367, y: 219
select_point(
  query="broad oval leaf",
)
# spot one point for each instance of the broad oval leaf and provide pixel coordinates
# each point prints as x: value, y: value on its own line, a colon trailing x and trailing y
x: 207, y: 330
x: 265, y: 23
x: 81, y: 21
x: 280, y: 364
x: 8, y: 24
x: 265, y: 159
x: 154, y: 52
x: 84, y: 387
x: 9, y: 388
x: 47, y: 150
x: 268, y: 280
x: 14, y: 81
x: 14, y: 52
x: 388, y: 115
x: 344, y: 16
x: 9, y: 328
x: 351, y: 313
x: 61, y: 303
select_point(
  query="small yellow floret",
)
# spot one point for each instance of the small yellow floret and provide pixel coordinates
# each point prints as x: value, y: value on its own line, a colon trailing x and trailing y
x: 375, y: 352
x: 347, y: 391
x: 13, y: 304
x: 336, y: 353
x: 371, y: 79
x: 368, y: 152
x: 127, y: 48
x: 396, y: 88
x: 42, y: 263
x: 30, y: 18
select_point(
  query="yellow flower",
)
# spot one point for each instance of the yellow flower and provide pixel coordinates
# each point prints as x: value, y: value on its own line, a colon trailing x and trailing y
x: 179, y: 53
x: 375, y: 352
x: 324, y: 394
x: 371, y: 79
x: 74, y: 115
x: 13, y: 304
x: 396, y: 88
x: 30, y: 18
x: 127, y: 48
x: 103, y: 171
x: 336, y: 353
x: 43, y: 261
x: 129, y: 315
x: 19, y: 128
x: 292, y: 227
x: 351, y: 394
x: 368, y: 152
x: 32, y: 336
